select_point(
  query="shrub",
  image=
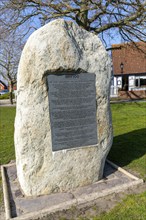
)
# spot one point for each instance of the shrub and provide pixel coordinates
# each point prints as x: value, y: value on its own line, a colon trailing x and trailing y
x: 6, y: 96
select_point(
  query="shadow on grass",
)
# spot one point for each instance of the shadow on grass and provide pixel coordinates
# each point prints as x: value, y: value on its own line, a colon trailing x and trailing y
x: 128, y: 147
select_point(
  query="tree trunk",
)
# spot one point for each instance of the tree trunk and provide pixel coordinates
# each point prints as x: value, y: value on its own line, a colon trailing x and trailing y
x: 11, y: 92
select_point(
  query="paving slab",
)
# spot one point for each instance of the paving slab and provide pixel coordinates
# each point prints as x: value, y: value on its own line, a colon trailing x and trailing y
x: 6, y: 102
x: 17, y: 206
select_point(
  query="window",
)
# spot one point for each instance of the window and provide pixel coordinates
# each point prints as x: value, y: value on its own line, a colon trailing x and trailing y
x: 136, y: 83
x: 140, y: 81
x: 143, y: 82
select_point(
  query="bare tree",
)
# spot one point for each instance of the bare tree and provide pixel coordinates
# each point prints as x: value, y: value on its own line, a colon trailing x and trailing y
x: 99, y: 16
x: 124, y: 17
x: 9, y: 58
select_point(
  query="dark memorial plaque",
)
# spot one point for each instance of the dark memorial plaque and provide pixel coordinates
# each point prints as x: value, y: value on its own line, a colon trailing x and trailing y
x: 72, y: 103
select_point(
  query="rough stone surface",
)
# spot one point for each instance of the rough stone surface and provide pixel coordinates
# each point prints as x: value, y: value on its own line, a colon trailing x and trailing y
x: 58, y: 46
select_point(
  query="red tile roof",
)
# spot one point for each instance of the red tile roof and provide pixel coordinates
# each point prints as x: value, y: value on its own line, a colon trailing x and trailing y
x: 131, y: 56
x: 2, y: 85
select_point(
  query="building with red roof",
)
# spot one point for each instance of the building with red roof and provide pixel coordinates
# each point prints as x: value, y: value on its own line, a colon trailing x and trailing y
x: 2, y: 85
x: 129, y: 66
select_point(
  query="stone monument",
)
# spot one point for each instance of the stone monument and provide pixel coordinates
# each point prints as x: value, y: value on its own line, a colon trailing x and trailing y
x: 63, y: 127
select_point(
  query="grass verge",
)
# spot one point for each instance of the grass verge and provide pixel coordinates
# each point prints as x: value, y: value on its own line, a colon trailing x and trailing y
x: 132, y: 207
x: 6, y: 96
x: 129, y: 146
x: 7, y: 153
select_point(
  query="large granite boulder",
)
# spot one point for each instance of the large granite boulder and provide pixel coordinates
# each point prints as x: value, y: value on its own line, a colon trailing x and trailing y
x: 59, y: 47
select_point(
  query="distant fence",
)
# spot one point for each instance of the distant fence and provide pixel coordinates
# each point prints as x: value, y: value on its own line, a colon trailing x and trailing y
x: 130, y: 95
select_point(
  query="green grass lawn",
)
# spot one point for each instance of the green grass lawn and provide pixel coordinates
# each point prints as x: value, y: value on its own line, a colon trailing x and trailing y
x: 7, y: 115
x: 129, y: 146
x: 128, y: 151
x: 133, y: 207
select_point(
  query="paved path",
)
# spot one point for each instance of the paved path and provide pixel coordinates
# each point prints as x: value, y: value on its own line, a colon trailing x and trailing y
x: 6, y: 102
x: 128, y: 101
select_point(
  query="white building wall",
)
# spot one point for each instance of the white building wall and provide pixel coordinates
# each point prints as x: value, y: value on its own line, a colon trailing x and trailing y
x: 115, y: 85
x: 118, y: 81
x: 131, y: 80
x: 132, y: 83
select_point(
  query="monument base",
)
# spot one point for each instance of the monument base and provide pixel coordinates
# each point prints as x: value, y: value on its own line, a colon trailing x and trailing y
x: 17, y: 206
